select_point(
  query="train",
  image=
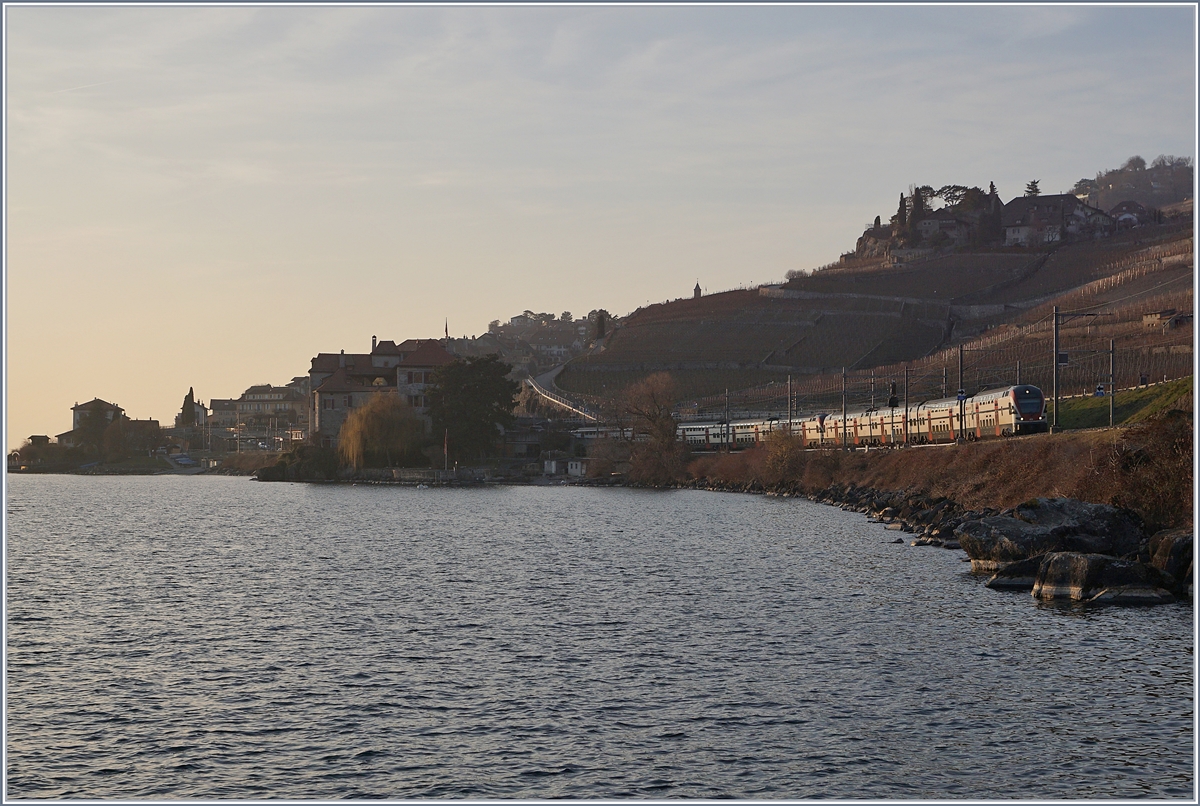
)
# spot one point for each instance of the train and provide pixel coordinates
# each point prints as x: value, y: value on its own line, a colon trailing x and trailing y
x: 1007, y: 411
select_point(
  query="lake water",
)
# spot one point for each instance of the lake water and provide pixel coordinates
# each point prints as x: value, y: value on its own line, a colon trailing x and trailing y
x: 212, y: 637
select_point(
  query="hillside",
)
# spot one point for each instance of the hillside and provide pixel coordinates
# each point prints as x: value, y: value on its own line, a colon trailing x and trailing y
x: 878, y: 320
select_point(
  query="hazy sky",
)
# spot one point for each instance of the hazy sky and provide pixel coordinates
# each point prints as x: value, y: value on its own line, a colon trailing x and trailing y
x: 209, y: 196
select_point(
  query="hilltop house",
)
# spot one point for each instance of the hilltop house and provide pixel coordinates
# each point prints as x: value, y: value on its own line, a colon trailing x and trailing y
x: 341, y: 382
x: 1035, y: 220
x: 1129, y: 214
x: 944, y: 224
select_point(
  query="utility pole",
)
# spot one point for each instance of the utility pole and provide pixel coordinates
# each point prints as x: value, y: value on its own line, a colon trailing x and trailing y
x: 906, y: 404
x: 789, y: 425
x: 872, y: 388
x: 1054, y: 424
x: 843, y: 408
x: 728, y: 429
x: 945, y: 385
x: 962, y: 392
x: 1112, y: 381
x: 1018, y: 373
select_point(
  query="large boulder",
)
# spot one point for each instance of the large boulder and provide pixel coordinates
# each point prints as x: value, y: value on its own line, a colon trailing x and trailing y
x: 1046, y: 525
x: 1020, y: 575
x: 1100, y: 578
x: 1171, y: 552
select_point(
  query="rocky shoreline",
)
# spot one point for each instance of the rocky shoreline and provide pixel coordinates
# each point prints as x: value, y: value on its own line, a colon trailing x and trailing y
x: 1057, y: 548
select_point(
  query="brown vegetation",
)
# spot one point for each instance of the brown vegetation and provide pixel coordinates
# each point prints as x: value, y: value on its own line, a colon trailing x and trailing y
x: 383, y: 431
x: 1147, y: 468
x: 246, y: 463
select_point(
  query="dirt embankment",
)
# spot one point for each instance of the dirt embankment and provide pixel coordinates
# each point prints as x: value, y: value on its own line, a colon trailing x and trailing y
x: 1147, y: 468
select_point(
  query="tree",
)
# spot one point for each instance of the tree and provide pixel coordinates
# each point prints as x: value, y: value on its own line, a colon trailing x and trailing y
x: 1032, y: 188
x: 917, y: 203
x: 187, y: 415
x: 565, y: 316
x: 992, y: 188
x: 601, y: 324
x: 649, y: 405
x: 878, y: 223
x: 116, y: 440
x: 1134, y: 163
x: 1170, y: 161
x: 468, y: 399
x: 92, y: 426
x: 973, y: 198
x: 952, y: 194
x: 901, y: 218
x: 385, y: 430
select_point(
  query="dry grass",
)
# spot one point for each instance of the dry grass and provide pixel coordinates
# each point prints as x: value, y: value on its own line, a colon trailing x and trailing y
x: 1146, y: 468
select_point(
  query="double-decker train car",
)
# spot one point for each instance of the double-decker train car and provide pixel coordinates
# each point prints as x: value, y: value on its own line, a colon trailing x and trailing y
x: 992, y: 413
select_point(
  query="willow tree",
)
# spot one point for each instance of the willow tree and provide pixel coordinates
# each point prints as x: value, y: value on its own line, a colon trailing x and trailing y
x: 385, y: 429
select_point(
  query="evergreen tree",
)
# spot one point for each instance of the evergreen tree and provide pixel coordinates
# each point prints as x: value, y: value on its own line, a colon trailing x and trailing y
x: 877, y: 222
x: 991, y: 188
x: 187, y: 415
x: 469, y: 398
x: 1032, y: 188
x: 917, y: 202
x: 902, y: 213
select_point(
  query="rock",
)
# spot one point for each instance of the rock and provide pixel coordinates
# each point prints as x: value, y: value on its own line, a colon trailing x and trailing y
x: 1171, y: 552
x: 926, y: 541
x: 894, y: 526
x: 1047, y: 525
x: 951, y: 544
x: 898, y: 540
x: 1100, y: 578
x: 1019, y: 575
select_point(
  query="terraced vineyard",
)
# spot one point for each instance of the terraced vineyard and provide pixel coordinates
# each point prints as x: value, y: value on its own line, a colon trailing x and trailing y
x: 875, y: 322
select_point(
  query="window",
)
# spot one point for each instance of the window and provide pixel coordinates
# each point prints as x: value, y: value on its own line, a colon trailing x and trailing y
x: 329, y: 402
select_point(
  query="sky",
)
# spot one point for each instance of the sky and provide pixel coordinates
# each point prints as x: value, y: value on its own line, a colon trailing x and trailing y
x: 209, y: 196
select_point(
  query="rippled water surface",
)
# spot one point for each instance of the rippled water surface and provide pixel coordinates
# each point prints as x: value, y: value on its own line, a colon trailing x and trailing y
x: 201, y: 637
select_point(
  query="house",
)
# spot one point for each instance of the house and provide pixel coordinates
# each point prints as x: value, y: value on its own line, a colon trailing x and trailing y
x: 341, y: 382
x: 1167, y: 319
x: 80, y: 411
x: 1129, y: 214
x: 1038, y: 220
x: 577, y: 467
x: 222, y: 413
x: 949, y: 225
x: 266, y: 404
x: 108, y: 410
